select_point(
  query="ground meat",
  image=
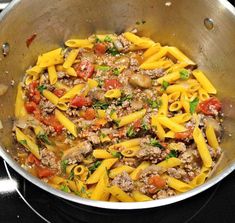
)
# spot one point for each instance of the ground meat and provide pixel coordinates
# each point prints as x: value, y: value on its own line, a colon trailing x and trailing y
x: 130, y: 161
x: 124, y: 181
x: 93, y: 138
x: 46, y: 106
x: 156, y: 73
x: 177, y: 173
x: 168, y: 192
x: 126, y: 44
x: 48, y: 158
x: 150, y: 153
x: 150, y: 171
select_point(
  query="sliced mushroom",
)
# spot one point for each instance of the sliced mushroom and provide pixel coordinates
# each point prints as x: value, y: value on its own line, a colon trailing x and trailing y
x: 137, y: 105
x: 117, y: 43
x: 140, y: 80
x: 123, y: 61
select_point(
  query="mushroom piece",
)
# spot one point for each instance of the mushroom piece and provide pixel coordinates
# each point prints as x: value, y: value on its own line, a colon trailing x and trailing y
x: 140, y: 80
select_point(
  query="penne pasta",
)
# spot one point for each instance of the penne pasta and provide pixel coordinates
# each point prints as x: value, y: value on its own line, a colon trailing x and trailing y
x: 120, y: 194
x: 126, y: 144
x: 175, y: 127
x: 101, y: 154
x: 175, y: 106
x: 74, y: 43
x: 130, y: 152
x: 34, y: 71
x: 70, y: 58
x: 178, y: 184
x: 114, y: 93
x: 160, y: 132
x: 169, y: 163
x: 20, y: 110
x: 163, y: 110
x: 135, y: 174
x: 158, y: 55
x: 152, y: 50
x: 114, y: 172
x: 52, y: 74
x: 203, y: 95
x: 182, y: 118
x: 211, y: 137
x: 173, y: 96
x: 69, y: 125
x: 170, y: 78
x: 140, y: 197
x: 76, y: 90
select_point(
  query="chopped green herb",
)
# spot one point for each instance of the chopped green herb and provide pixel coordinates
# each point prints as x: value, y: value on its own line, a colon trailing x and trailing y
x: 154, y: 103
x: 116, y: 71
x: 116, y: 154
x: 131, y: 132
x: 145, y: 126
x: 116, y: 122
x: 113, y: 51
x: 94, y: 166
x: 108, y: 39
x: 100, y: 83
x: 64, y: 164
x: 103, y: 135
x: 97, y: 40
x: 165, y: 85
x: 41, y: 88
x: 126, y: 97
x: 100, y: 105
x: 23, y: 142
x: 103, y: 68
x: 173, y: 153
x: 71, y: 175
x: 64, y: 188
x: 184, y: 74
x: 44, y: 138
x: 193, y: 105
x: 155, y: 143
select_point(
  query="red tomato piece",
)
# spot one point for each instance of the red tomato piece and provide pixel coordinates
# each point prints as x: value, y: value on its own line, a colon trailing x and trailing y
x: 157, y: 181
x: 44, y: 172
x: 89, y: 114
x: 211, y: 106
x: 184, y: 135
x: 112, y: 84
x: 100, y: 48
x: 85, y: 69
x: 32, y: 159
x: 32, y: 86
x: 36, y: 97
x: 59, y: 92
x: 52, y: 121
x: 30, y: 106
x: 79, y: 101
x: 137, y: 124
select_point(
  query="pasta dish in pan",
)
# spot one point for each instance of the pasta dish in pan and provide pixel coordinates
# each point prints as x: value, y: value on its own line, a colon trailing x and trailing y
x: 117, y: 118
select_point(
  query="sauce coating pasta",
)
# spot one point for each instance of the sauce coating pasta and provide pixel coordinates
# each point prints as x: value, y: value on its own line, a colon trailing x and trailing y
x: 117, y: 118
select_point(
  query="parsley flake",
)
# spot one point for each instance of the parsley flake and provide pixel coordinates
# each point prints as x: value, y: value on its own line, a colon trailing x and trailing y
x: 94, y: 166
x: 173, y: 153
x: 193, y: 105
x: 184, y: 74
x: 64, y: 164
x: 41, y: 88
x: 155, y: 143
x: 116, y: 154
x: 131, y: 132
x: 44, y: 138
x: 24, y: 142
x: 108, y: 39
x: 100, y: 105
x: 165, y: 85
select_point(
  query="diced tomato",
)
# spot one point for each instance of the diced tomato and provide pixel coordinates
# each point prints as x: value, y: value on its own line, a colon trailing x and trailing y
x: 157, y: 181
x: 211, y: 106
x: 184, y: 135
x: 32, y: 159
x: 100, y: 48
x: 112, y: 84
x: 36, y: 97
x: 79, y: 101
x: 30, y: 106
x: 85, y: 69
x: 59, y: 92
x: 137, y: 124
x: 89, y: 114
x: 52, y: 121
x: 32, y: 86
x: 44, y: 172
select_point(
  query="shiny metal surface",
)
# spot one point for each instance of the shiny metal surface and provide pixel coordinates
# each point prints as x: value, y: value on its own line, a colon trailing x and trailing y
x: 181, y: 24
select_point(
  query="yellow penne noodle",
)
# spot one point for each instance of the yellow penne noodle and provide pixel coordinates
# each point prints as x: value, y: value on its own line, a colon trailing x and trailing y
x: 70, y: 70
x: 175, y: 88
x: 160, y: 132
x: 79, y: 170
x: 70, y: 168
x: 205, y: 83
x: 163, y: 110
x: 101, y: 154
x: 155, y: 65
x: 70, y: 58
x: 57, y: 180
x: 126, y: 144
x: 38, y: 130
x: 51, y: 58
x: 185, y: 102
x: 167, y: 122
x: 59, y: 85
x: 104, y: 166
x: 135, y: 174
x: 175, y: 52
x: 170, y: 78
x: 120, y: 194
x: 69, y: 125
x: 193, y: 87
x: 101, y: 113
x: 92, y: 83
x: 202, y: 147
x: 114, y: 93
x: 102, y: 37
x: 152, y: 50
x: 20, y: 110
x: 101, y: 191
x: 125, y: 120
x: 114, y: 172
x: 173, y: 96
x: 76, y: 90
x: 169, y: 163
x: 113, y: 199
x: 192, y: 96
x: 27, y: 143
x: 34, y: 70
x: 198, y: 180
x: 170, y: 134
x: 158, y: 55
x: 178, y: 184
x: 140, y: 197
x: 177, y: 67
x: 130, y: 152
x: 181, y: 118
x: 211, y: 137
x: 203, y: 95
x: 52, y: 74
x: 85, y: 43
x: 175, y: 106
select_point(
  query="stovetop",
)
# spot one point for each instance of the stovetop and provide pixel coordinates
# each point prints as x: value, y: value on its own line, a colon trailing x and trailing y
x: 21, y: 201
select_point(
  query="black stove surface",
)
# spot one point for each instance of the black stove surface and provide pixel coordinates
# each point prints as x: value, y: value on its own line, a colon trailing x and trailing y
x: 29, y: 203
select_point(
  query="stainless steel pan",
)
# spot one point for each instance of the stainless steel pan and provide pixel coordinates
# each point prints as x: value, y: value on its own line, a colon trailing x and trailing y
x: 175, y: 22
